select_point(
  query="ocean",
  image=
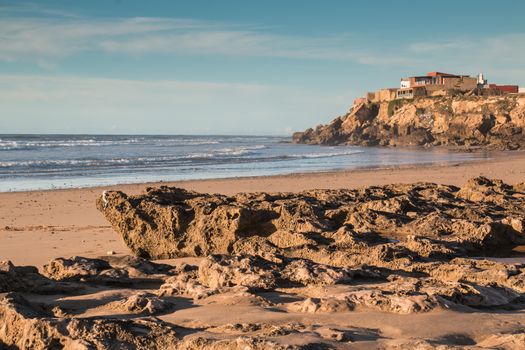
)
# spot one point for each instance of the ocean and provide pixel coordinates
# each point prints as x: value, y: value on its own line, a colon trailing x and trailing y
x: 30, y: 162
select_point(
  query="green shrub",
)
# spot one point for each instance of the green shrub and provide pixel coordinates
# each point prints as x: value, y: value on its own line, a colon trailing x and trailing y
x: 396, y: 104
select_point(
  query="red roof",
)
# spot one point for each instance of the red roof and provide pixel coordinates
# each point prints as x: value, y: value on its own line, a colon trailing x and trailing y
x: 435, y: 74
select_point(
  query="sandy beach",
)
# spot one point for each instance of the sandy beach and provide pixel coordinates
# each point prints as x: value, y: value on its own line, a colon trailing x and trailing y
x: 37, y: 226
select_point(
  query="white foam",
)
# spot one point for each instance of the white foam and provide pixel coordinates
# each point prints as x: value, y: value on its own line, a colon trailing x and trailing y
x: 325, y: 155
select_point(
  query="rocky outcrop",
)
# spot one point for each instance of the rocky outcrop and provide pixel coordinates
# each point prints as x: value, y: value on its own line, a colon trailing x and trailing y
x: 26, y: 279
x: 375, y: 225
x: 29, y: 321
x: 412, y: 240
x: 142, y: 303
x: 123, y: 271
x: 462, y: 121
x: 31, y: 317
x: 260, y: 274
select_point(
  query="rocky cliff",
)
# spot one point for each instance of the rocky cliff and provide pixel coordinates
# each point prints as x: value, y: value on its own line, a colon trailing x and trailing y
x: 495, y: 122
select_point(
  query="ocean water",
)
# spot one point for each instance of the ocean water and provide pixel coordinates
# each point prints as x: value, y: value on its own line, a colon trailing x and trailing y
x: 30, y: 162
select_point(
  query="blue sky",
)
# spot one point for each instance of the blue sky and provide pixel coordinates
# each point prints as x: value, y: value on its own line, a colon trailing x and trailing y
x: 234, y: 67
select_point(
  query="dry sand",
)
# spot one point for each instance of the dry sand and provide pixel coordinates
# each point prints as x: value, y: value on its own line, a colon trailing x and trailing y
x: 38, y: 226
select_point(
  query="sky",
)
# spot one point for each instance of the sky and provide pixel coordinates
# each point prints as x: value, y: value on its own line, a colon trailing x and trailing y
x: 234, y: 66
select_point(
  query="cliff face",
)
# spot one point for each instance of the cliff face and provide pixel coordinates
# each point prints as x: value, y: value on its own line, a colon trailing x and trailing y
x: 466, y: 121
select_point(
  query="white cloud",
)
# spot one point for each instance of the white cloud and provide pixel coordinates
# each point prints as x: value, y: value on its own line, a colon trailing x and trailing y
x: 47, y: 36
x: 54, y: 38
x: 430, y: 47
x: 35, y: 9
x: 30, y: 38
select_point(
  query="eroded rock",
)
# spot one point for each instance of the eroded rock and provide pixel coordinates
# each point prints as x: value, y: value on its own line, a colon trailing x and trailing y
x: 25, y: 326
x: 399, y: 249
x: 250, y: 271
x: 126, y: 270
x: 418, y: 221
x: 329, y: 237
x: 27, y: 279
x: 142, y: 303
x: 494, y: 122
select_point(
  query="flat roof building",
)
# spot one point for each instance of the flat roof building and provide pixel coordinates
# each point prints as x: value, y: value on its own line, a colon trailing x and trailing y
x: 438, y: 84
x: 440, y: 80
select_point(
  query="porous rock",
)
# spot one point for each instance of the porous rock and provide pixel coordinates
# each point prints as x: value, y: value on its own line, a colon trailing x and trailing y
x: 25, y: 326
x: 372, y: 225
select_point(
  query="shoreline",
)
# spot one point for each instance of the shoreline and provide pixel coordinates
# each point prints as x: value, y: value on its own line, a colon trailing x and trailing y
x: 497, y: 156
x: 375, y: 157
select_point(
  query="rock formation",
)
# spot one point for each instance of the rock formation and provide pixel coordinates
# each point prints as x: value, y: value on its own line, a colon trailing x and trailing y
x: 381, y: 226
x: 460, y: 121
x: 411, y: 239
x: 25, y: 325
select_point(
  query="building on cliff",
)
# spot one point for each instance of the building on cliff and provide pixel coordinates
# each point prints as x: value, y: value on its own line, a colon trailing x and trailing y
x: 509, y: 89
x: 440, y: 80
x: 437, y: 84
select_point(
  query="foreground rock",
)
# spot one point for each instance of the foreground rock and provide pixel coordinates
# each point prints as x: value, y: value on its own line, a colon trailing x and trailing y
x: 285, y: 271
x: 26, y: 279
x: 112, y: 271
x: 40, y: 318
x: 411, y: 240
x: 464, y: 121
x: 26, y: 326
x: 387, y: 226
x: 54, y: 318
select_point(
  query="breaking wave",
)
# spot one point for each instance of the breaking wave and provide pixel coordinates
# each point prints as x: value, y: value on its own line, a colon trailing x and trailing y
x: 233, y: 154
x: 39, y: 144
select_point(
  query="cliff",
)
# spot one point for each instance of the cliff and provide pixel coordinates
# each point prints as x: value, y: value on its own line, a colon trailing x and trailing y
x: 495, y: 122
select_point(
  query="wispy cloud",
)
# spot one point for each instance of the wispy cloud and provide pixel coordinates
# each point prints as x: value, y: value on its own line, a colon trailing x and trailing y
x: 27, y: 38
x: 223, y: 42
x: 48, y: 38
x: 505, y: 47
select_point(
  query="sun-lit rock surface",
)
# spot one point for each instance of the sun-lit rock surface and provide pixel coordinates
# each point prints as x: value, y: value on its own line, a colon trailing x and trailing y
x: 461, y: 121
